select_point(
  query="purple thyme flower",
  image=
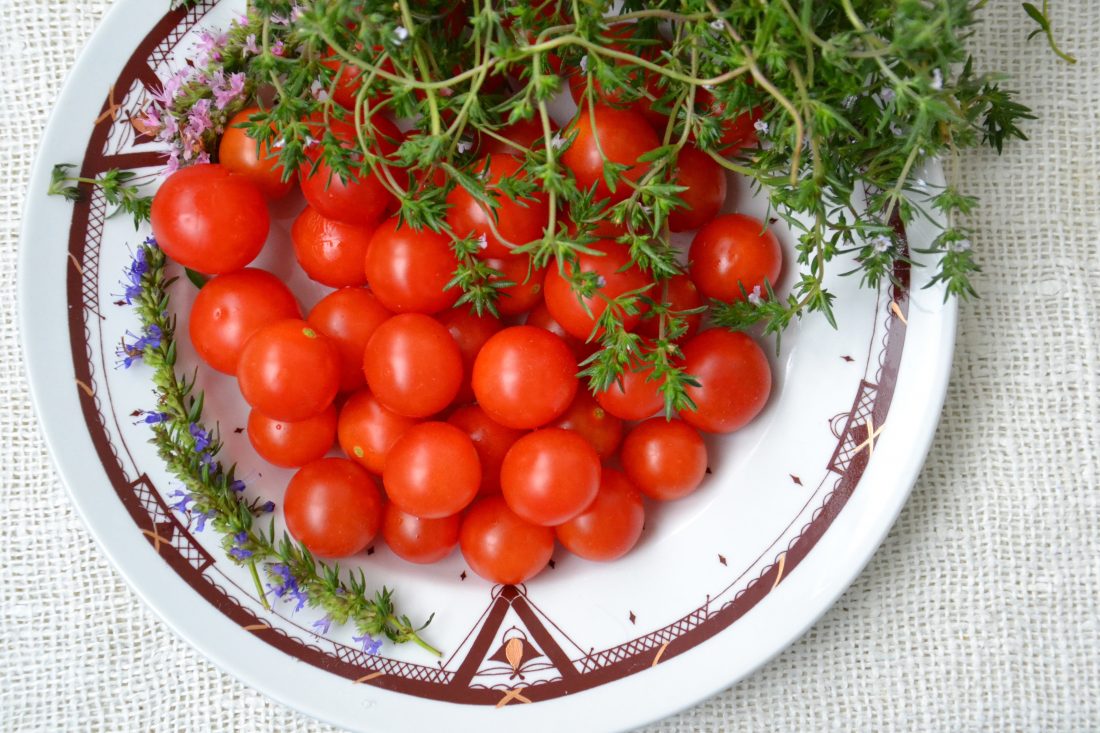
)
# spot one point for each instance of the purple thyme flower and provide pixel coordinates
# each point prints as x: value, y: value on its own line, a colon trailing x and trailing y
x: 250, y: 46
x: 208, y: 47
x: 370, y: 644
x: 237, y: 485
x: 288, y: 589
x: 296, y: 12
x: 198, y: 118
x: 323, y: 625
x: 228, y: 90
x: 202, y: 438
x: 238, y: 550
x: 170, y: 88
x: 277, y: 48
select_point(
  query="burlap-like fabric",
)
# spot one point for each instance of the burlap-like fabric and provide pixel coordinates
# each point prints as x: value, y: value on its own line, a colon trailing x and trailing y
x: 980, y: 611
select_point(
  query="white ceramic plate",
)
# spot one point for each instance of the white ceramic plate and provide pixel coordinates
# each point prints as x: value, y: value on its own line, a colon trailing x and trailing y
x: 720, y: 582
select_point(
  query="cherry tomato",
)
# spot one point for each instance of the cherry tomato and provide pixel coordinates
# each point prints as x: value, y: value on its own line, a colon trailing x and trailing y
x: 621, y: 36
x: 500, y: 546
x: 526, y: 291
x: 289, y: 444
x: 288, y: 371
x: 610, y: 526
x: 230, y: 308
x: 333, y: 507
x: 540, y: 317
x: 470, y: 331
x: 666, y: 459
x: 419, y: 540
x: 491, y: 439
x: 210, y: 220
x: 516, y: 221
x: 408, y: 270
x: 350, y: 79
x: 588, y: 419
x: 735, y: 380
x: 615, y: 277
x: 524, y: 377
x: 522, y: 135
x: 550, y: 476
x: 349, y: 317
x: 432, y: 471
x: 679, y: 295
x: 706, y: 184
x: 412, y: 365
x: 636, y: 398
x: 731, y: 252
x: 330, y: 251
x: 622, y: 135
x: 737, y: 132
x: 361, y: 199
x: 246, y: 157
x: 367, y: 430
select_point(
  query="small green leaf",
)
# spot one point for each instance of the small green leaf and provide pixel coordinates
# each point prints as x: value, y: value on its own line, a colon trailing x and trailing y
x: 197, y: 278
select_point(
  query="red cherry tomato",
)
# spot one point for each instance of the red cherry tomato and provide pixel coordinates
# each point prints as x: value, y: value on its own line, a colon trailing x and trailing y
x: 516, y: 221
x: 540, y: 317
x: 622, y: 35
x: 735, y: 380
x: 550, y: 476
x: 361, y: 200
x: 501, y: 547
x: 737, y: 132
x: 249, y: 159
x: 419, y: 540
x: 408, y: 270
x: 588, y: 419
x: 622, y: 136
x: 679, y: 295
x: 470, y: 331
x: 230, y: 308
x: 288, y: 371
x: 666, y: 459
x: 524, y: 377
x: 367, y: 430
x: 526, y: 291
x: 522, y: 136
x: 616, y: 276
x: 706, y: 183
x: 333, y: 507
x: 637, y: 398
x: 610, y: 526
x: 432, y: 471
x: 412, y: 365
x: 350, y: 79
x: 210, y: 220
x: 491, y: 439
x: 731, y: 252
x: 349, y: 317
x: 330, y: 251
x: 290, y: 444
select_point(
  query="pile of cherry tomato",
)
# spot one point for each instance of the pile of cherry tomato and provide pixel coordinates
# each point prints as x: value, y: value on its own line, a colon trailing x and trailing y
x: 476, y: 428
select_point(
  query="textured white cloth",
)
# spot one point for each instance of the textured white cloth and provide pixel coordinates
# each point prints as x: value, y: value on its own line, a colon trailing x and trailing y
x: 980, y: 612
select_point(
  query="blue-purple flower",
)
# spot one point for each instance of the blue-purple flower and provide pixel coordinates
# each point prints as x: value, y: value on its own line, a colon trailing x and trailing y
x: 323, y: 625
x: 370, y: 644
x: 202, y: 438
x: 288, y: 589
x: 134, y: 272
x: 237, y: 550
x: 268, y: 507
x: 184, y: 500
x: 151, y: 417
x: 237, y: 485
x: 202, y: 517
x: 130, y: 351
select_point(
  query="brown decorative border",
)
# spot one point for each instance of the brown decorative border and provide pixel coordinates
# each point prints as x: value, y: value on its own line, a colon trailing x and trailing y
x: 175, y: 544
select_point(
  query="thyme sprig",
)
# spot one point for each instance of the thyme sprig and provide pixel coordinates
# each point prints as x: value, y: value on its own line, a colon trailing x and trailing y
x: 213, y: 492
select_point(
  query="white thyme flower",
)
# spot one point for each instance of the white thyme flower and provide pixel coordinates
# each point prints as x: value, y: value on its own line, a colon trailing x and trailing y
x: 754, y: 297
x: 400, y: 34
x: 761, y: 127
x: 881, y: 243
x: 483, y: 241
x: 937, y: 79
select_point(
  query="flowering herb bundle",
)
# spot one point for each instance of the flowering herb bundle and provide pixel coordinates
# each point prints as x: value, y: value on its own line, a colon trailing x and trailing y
x: 212, y: 494
x: 830, y: 107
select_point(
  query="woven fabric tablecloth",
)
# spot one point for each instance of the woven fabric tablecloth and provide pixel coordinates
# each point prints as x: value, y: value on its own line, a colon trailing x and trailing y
x: 980, y: 611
